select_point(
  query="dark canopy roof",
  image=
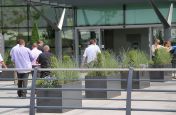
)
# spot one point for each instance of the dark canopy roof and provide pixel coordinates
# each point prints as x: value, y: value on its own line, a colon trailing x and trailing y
x: 95, y: 2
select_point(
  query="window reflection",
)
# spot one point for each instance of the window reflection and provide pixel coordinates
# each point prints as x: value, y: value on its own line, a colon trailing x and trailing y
x: 67, y: 42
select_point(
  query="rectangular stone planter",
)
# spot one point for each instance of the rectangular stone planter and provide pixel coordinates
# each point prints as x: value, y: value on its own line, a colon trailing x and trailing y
x: 136, y: 83
x: 160, y: 75
x: 102, y: 84
x: 8, y: 75
x: 66, y: 98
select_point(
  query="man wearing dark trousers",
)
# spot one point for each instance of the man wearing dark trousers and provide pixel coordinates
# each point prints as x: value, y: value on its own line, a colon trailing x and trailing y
x: 22, y: 57
x: 44, y: 61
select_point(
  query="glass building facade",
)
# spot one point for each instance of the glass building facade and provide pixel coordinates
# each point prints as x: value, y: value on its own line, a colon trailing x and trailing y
x: 17, y: 18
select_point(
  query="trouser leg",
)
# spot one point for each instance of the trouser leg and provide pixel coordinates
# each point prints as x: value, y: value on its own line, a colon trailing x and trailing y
x: 22, y: 83
x: 19, y: 92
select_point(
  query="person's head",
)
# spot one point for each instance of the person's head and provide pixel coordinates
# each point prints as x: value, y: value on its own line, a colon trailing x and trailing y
x: 17, y: 41
x: 40, y: 42
x: 46, y: 48
x: 157, y: 41
x: 91, y: 41
x: 21, y: 42
x: 95, y: 41
x: 167, y: 43
x: 34, y: 45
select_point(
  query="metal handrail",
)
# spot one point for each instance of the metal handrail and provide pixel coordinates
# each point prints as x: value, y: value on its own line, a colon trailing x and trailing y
x: 129, y: 89
x: 32, y: 99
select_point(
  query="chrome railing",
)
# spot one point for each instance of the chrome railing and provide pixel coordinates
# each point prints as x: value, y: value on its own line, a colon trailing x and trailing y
x: 129, y: 90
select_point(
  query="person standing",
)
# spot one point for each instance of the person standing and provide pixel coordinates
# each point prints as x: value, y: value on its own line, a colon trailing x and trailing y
x: 22, y: 58
x: 155, y: 46
x: 40, y: 45
x: 90, y: 53
x: 44, y: 61
x: 2, y: 63
x: 167, y: 45
x: 17, y: 45
x: 35, y: 52
x: 11, y: 51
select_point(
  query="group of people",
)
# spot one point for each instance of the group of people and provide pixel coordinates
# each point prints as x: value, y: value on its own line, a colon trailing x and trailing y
x: 25, y: 59
x: 39, y: 56
x: 166, y: 44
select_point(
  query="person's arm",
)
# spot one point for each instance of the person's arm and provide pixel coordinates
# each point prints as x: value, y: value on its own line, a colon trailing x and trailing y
x: 3, y: 64
x: 99, y: 50
x: 83, y: 62
x: 30, y: 54
x: 83, y: 59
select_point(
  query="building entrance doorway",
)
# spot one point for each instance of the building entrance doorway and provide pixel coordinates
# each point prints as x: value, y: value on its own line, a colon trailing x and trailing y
x: 115, y: 40
x: 82, y: 41
x: 118, y: 40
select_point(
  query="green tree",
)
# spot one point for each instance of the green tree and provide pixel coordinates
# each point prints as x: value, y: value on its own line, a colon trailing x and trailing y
x: 35, y: 34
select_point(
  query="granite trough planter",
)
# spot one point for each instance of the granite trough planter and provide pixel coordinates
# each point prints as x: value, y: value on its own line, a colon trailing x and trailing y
x: 66, y: 98
x: 137, y: 82
x: 159, y: 76
x: 103, y: 83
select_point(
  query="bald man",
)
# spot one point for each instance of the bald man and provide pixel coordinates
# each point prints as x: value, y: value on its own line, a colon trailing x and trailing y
x: 44, y: 61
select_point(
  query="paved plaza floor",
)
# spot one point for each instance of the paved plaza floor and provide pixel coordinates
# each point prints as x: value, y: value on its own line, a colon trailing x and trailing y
x: 170, y: 85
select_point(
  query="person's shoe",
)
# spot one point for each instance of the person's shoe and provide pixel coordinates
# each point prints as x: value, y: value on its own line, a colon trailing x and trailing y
x: 19, y: 95
x: 24, y: 95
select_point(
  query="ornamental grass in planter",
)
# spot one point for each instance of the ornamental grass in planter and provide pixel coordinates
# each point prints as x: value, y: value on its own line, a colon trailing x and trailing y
x: 136, y: 59
x: 162, y: 59
x: 103, y: 79
x: 8, y: 75
x: 60, y: 79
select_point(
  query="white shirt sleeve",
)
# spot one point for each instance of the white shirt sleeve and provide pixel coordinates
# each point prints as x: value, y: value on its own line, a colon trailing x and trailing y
x: 98, y: 49
x: 85, y: 53
x: 1, y: 59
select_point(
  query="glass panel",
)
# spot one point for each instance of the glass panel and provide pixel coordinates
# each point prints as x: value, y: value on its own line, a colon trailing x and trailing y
x: 15, y: 16
x: 1, y: 17
x: 11, y: 35
x: 68, y: 19
x: 47, y: 35
x: 67, y: 42
x: 35, y: 17
x: 14, y: 2
x: 173, y: 32
x: 158, y: 33
x: 144, y: 13
x: 52, y: 14
x: 174, y: 16
x: 100, y: 16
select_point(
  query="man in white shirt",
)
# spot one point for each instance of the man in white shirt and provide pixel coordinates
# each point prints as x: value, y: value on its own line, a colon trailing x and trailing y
x: 90, y: 53
x: 155, y: 46
x: 17, y: 45
x: 22, y: 57
x: 35, y: 52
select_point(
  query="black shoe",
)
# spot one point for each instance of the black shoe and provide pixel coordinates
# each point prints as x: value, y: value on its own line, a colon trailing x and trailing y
x: 23, y: 95
x: 19, y: 95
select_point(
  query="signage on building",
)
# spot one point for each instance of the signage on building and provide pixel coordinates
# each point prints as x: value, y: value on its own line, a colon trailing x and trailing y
x: 1, y: 44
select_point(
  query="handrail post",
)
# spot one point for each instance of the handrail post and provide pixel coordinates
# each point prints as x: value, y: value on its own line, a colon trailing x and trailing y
x: 32, y: 98
x: 129, y: 88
